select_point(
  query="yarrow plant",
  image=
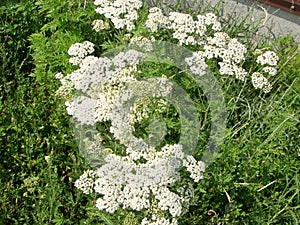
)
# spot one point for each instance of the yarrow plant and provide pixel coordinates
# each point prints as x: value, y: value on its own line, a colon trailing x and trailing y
x: 152, y: 177
x: 123, y: 181
x: 121, y: 13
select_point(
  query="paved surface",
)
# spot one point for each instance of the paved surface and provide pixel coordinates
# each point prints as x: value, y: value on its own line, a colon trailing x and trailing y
x: 272, y: 21
x: 277, y: 23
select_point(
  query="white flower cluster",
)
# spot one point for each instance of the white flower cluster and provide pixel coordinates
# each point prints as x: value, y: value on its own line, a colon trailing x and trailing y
x: 79, y: 51
x: 270, y: 70
x: 185, y: 29
x: 230, y: 50
x: 219, y: 40
x: 156, y: 20
x: 93, y: 72
x: 196, y: 168
x: 210, y: 19
x: 189, y: 30
x: 269, y: 61
x: 197, y: 63
x: 221, y: 46
x: 124, y: 183
x: 232, y: 53
x: 159, y: 221
x: 186, y: 191
x: 183, y: 26
x: 127, y: 184
x: 86, y: 116
x: 142, y: 43
x: 65, y: 90
x: 143, y: 108
x: 269, y: 58
x: 140, y: 110
x: 122, y: 13
x: 261, y: 82
x: 232, y: 69
x: 144, y: 173
x: 86, y: 181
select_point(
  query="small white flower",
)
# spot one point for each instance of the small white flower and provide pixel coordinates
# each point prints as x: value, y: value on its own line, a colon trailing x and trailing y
x: 196, y: 168
x: 269, y: 58
x: 121, y: 13
x: 99, y: 25
x: 108, y: 205
x: 142, y: 43
x: 156, y: 19
x: 220, y: 39
x: 86, y: 181
x: 236, y: 51
x: 81, y: 49
x: 226, y: 68
x: 75, y: 61
x: 240, y: 73
x: 267, y: 88
x: 211, y: 19
x: 197, y: 63
x: 232, y: 69
x: 260, y: 82
x: 159, y: 221
x: 270, y: 70
x: 47, y: 158
x: 59, y: 76
x: 83, y: 109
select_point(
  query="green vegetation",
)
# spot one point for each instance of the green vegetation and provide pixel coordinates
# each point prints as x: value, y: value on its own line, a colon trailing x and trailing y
x: 254, y: 179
